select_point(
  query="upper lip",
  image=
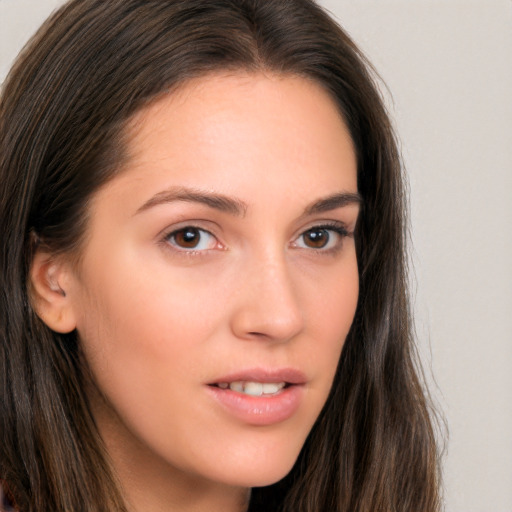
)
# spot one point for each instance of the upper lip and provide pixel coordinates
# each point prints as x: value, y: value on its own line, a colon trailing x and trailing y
x: 287, y: 375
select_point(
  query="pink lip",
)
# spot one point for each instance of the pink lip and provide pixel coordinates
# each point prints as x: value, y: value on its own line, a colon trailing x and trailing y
x: 288, y: 375
x: 261, y: 410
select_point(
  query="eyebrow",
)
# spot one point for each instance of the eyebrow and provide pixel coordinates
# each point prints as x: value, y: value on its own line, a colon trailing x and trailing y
x: 238, y: 207
x: 212, y: 200
x: 334, y: 201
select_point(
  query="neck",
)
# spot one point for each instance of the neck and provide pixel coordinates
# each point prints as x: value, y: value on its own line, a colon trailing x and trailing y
x: 157, y: 491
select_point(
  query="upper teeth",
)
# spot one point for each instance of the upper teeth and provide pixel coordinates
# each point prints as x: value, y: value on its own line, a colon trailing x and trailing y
x: 253, y: 388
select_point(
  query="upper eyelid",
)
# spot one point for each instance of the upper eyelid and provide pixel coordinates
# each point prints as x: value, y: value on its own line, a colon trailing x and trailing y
x: 198, y: 224
x: 326, y: 224
x: 201, y: 224
x: 339, y: 229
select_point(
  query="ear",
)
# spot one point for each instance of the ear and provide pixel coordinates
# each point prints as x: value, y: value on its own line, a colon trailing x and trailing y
x: 49, y: 290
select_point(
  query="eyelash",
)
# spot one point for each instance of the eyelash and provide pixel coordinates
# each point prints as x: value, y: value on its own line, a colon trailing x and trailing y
x: 338, y: 228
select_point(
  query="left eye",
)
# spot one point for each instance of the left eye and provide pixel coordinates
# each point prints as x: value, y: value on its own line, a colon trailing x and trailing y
x: 192, y: 238
x: 319, y: 238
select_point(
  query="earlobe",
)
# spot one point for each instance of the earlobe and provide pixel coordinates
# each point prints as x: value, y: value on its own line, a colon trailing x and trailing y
x: 49, y: 294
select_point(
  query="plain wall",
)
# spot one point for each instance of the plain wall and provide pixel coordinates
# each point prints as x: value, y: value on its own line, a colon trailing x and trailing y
x: 448, y: 65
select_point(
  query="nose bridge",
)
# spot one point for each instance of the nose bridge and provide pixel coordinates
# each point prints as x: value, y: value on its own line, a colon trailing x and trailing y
x: 269, y: 306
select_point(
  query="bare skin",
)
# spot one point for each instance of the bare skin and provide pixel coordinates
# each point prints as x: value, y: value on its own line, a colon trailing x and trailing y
x: 224, y: 250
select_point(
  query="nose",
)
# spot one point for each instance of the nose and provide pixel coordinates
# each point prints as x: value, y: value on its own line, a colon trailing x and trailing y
x: 267, y: 304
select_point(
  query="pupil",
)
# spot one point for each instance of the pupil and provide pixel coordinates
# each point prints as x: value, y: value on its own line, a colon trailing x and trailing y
x: 317, y: 239
x: 188, y: 237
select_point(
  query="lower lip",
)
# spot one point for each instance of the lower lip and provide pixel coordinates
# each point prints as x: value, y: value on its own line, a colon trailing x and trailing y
x: 259, y: 410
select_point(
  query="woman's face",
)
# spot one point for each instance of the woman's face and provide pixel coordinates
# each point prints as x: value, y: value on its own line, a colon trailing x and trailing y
x: 219, y: 279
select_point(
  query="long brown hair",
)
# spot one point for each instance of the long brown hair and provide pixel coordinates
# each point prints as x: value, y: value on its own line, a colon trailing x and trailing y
x: 63, y: 109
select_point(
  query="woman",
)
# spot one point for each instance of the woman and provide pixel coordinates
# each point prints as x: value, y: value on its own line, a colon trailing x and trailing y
x: 203, y: 270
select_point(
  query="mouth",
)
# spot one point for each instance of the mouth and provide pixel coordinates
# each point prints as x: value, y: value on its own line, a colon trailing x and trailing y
x: 253, y: 388
x: 260, y: 382
x: 260, y: 397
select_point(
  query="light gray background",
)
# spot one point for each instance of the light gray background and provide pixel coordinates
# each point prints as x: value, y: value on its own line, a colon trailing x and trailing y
x: 448, y: 65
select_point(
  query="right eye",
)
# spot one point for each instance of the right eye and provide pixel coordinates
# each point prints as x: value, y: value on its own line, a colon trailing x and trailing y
x: 191, y: 238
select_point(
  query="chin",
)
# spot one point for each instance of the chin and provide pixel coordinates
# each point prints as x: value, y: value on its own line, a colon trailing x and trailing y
x: 258, y: 479
x: 257, y: 471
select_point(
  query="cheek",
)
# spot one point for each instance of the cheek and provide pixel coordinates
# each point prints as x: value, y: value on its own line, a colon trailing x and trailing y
x: 146, y: 347
x: 147, y: 337
x: 332, y: 301
x: 145, y: 323
x: 331, y: 313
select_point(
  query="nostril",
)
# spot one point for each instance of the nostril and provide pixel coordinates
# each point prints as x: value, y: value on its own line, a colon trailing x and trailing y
x: 257, y: 334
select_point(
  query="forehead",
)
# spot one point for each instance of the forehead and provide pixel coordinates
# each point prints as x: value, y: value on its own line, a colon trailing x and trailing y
x: 254, y: 136
x: 260, y: 114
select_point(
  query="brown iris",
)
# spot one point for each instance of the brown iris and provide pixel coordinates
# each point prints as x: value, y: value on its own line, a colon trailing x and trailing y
x: 316, y: 238
x: 188, y: 237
